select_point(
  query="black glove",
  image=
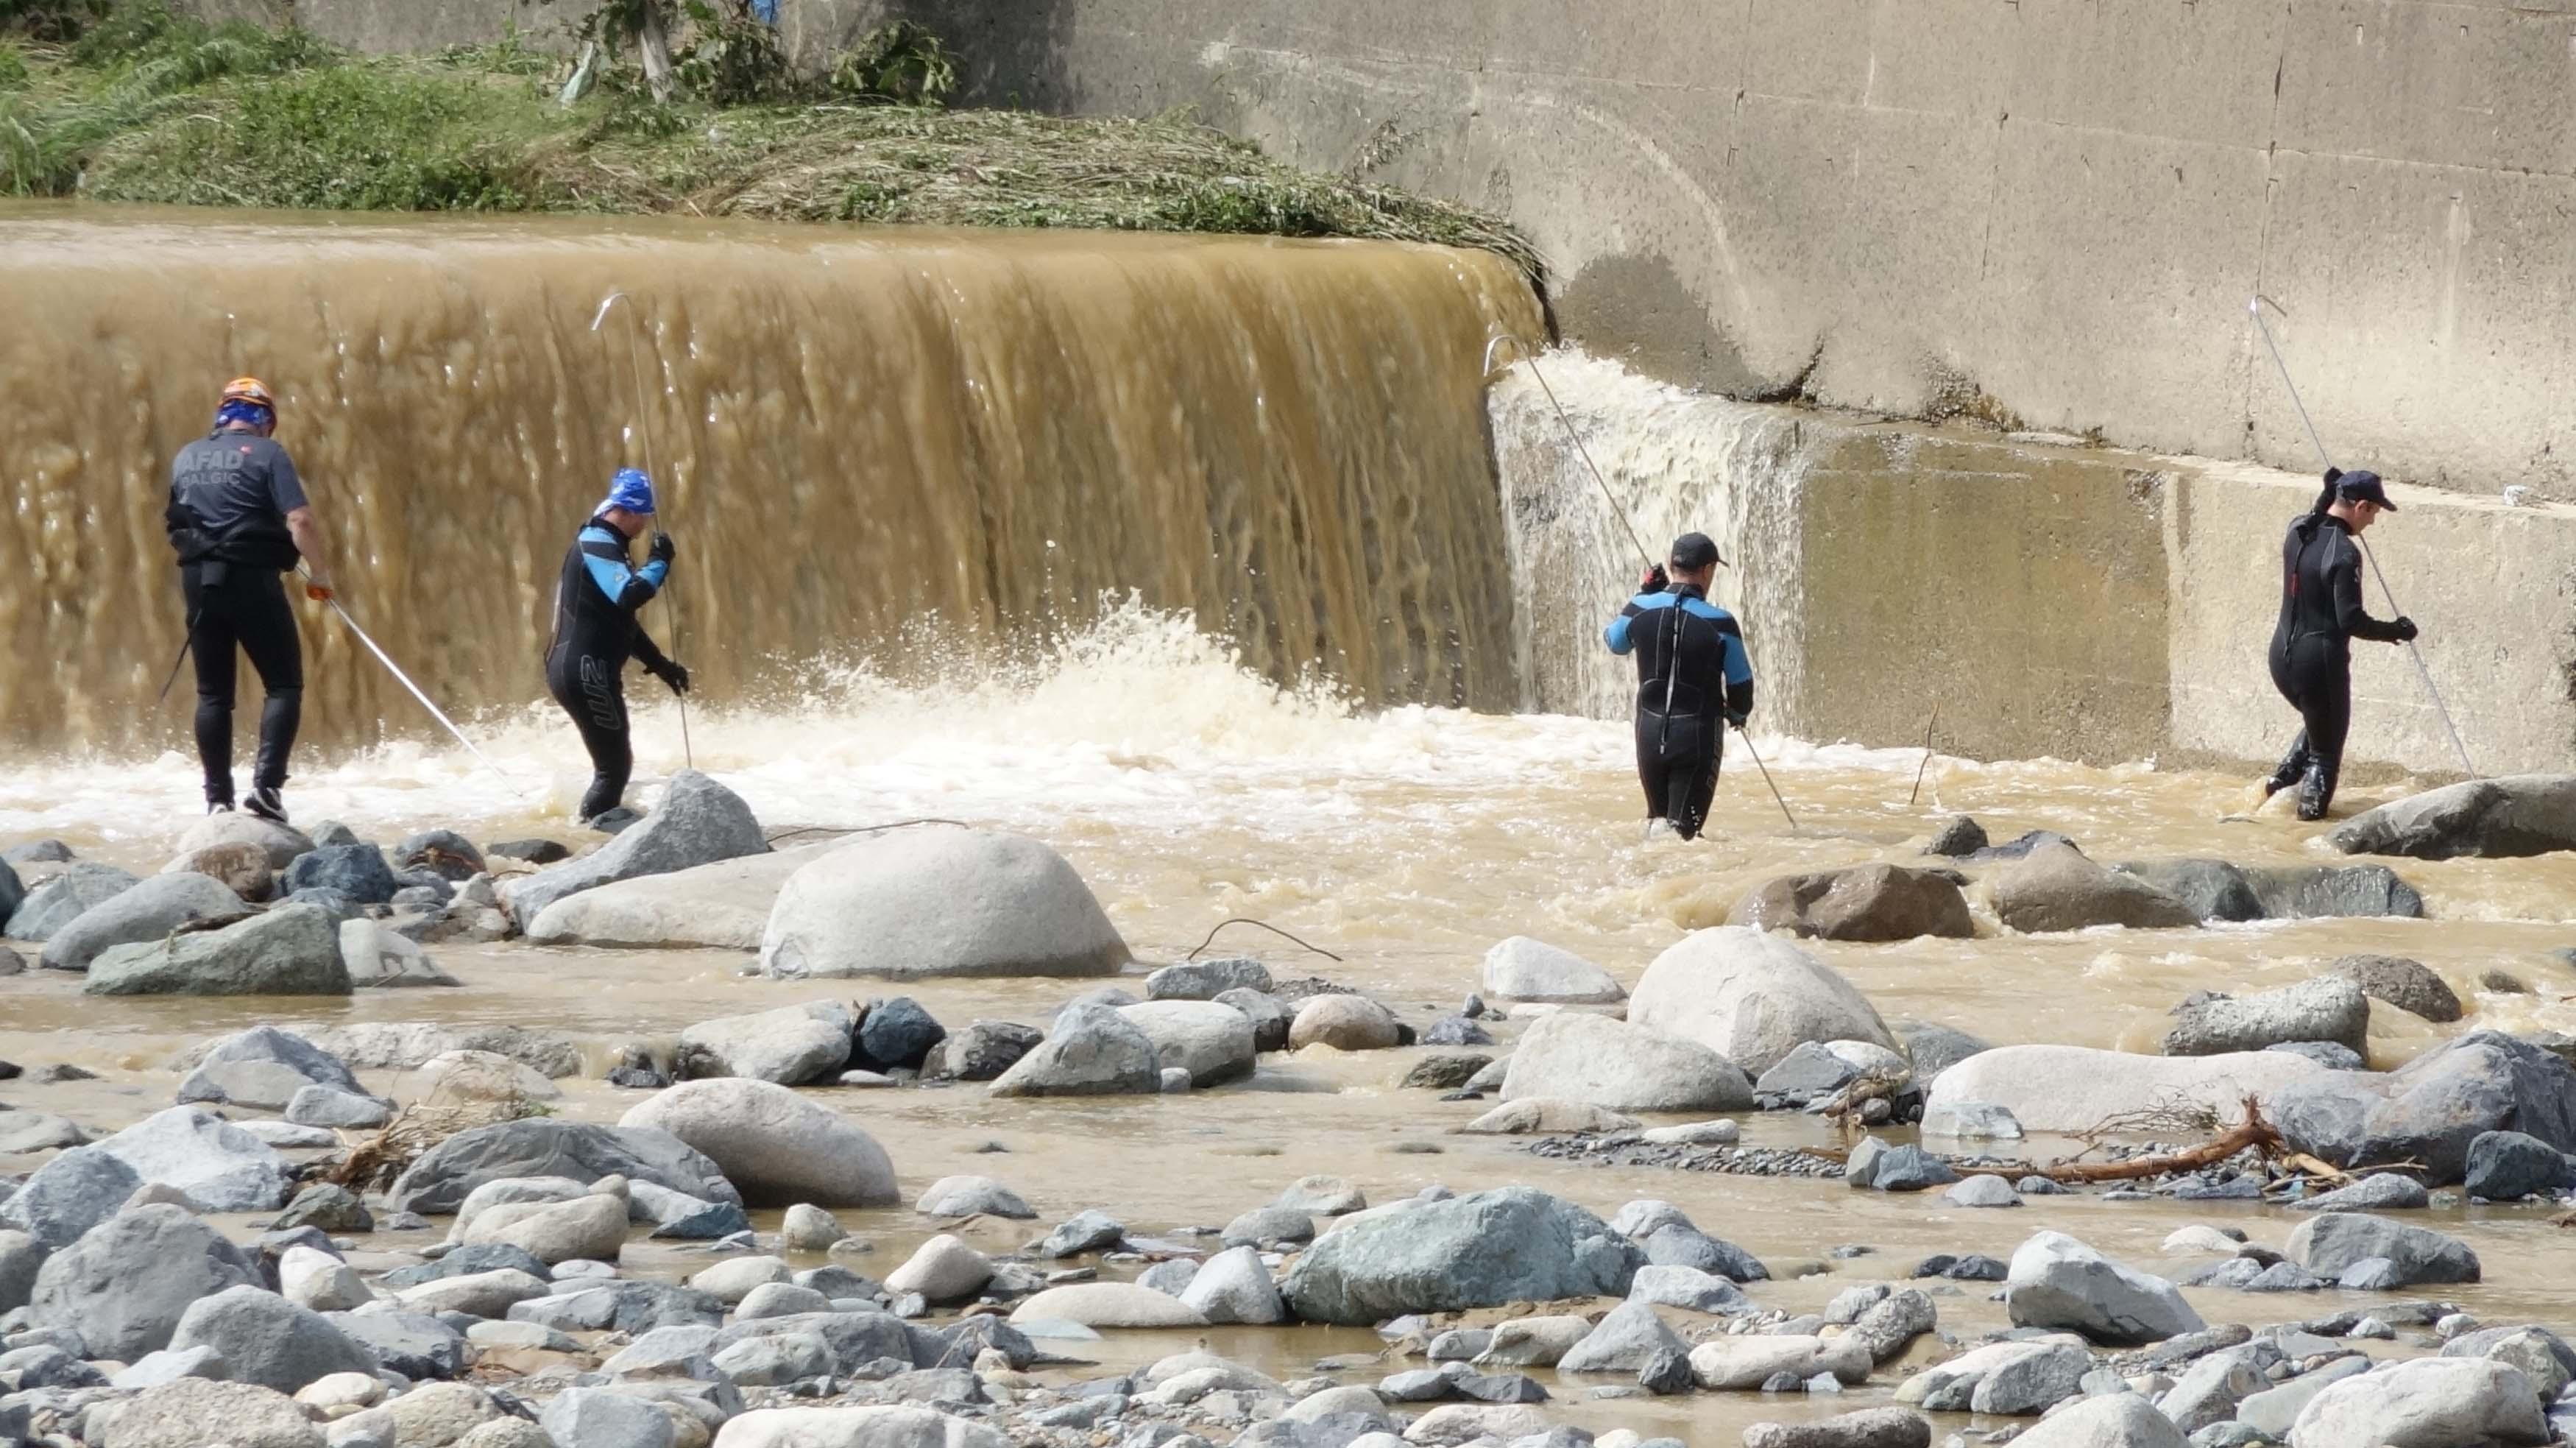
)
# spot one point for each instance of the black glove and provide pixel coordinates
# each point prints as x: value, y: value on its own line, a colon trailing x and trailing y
x: 662, y: 548
x: 1655, y: 581
x: 674, y: 674
x: 2404, y: 628
x: 1734, y: 718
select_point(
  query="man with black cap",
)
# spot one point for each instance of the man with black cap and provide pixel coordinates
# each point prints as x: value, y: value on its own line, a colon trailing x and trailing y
x: 1693, y: 679
x: 2321, y: 614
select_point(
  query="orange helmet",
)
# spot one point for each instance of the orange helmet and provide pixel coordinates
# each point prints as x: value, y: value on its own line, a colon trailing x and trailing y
x: 250, y: 390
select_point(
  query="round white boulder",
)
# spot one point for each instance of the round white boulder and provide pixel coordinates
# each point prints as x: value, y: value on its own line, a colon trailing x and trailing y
x: 776, y: 1147
x: 923, y: 903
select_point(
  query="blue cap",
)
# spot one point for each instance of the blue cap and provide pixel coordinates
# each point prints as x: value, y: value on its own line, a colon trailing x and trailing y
x: 630, y: 490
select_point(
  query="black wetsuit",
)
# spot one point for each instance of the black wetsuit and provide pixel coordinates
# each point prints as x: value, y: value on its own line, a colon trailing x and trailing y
x: 595, y: 635
x: 1692, y: 672
x: 2321, y: 613
x: 230, y: 493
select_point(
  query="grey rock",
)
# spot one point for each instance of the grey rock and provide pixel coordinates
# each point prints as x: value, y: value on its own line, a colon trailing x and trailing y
x: 1005, y: 906
x: 777, y: 1147
x: 2520, y: 815
x: 2123, y: 1420
x: 215, y: 1162
x: 1263, y: 1226
x: 1523, y: 969
x: 1892, y: 1324
x: 2308, y: 892
x: 2331, y: 1242
x: 265, y: 1339
x: 2324, y: 1008
x: 380, y: 957
x: 1170, y: 1276
x: 413, y: 1344
x: 1971, y: 1120
x: 328, y: 1207
x: 2055, y: 888
x: 1205, y: 980
x: 2539, y: 1354
x: 441, y: 1178
x: 1479, y: 1250
x: 789, y: 1046
x: 44, y: 1365
x: 2209, y: 1390
x: 534, y: 851
x: 1577, y: 1056
x: 1889, y: 1427
x: 1872, y: 902
x: 149, y: 910
x: 2405, y: 984
x: 1089, y: 1231
x: 1958, y: 837
x: 68, y: 1195
x: 1751, y: 998
x: 327, y: 1106
x: 896, y: 1035
x: 1628, y: 1340
x: 1982, y: 1191
x: 467, y: 1260
x: 291, y: 950
x: 2272, y: 1410
x: 1445, y: 1071
x: 1234, y: 1287
x: 358, y: 872
x: 1208, y: 1042
x: 2431, y: 1402
x: 698, y: 822
x: 2213, y: 890
x: 443, y: 853
x: 1910, y: 1169
x: 1820, y: 1068
x: 2433, y: 1108
x: 1092, y: 1051
x: 2057, y: 1282
x: 2032, y: 1382
x: 1679, y: 1244
x: 1455, y: 1031
x: 2506, y: 1166
x: 980, y: 1052
x: 601, y: 1418
x: 2324, y: 1053
x: 970, y: 1196
x: 166, y: 1366
x: 268, y: 1044
x: 2386, y: 1191
x: 177, y: 1415
x: 1269, y: 1016
x: 65, y: 898
x: 20, y: 1256
x: 125, y: 1284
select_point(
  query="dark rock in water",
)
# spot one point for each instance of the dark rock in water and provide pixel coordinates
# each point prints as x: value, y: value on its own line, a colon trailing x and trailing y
x: 10, y: 1070
x: 535, y: 852
x: 1447, y: 1071
x: 1935, y: 1048
x: 2016, y: 848
x: 37, y: 852
x: 331, y: 1208
x: 1959, y: 838
x: 712, y: 1223
x: 2322, y: 1008
x: 2506, y: 1166
x: 2055, y: 887
x: 1480, y: 1250
x: 2528, y: 814
x: 1910, y: 1169
x: 340, y: 908
x: 699, y: 822
x: 2386, y: 1191
x: 356, y: 871
x: 896, y: 1034
x: 443, y: 853
x: 1863, y: 902
x: 2405, y: 984
x: 2313, y: 892
x: 635, y: 1070
x: 615, y: 820
x: 1270, y: 1019
x: 2239, y: 1187
x: 541, y: 1146
x: 2213, y: 889
x: 1456, y: 1031
x: 1679, y: 1244
x: 2325, y: 1053
x: 2331, y: 1243
x: 291, y: 950
x: 125, y: 1284
x: 1205, y: 980
x: 981, y: 1052
x: 1971, y: 1268
x: 2432, y: 1109
x: 1668, y: 1373
x: 2504, y: 982
x: 65, y: 898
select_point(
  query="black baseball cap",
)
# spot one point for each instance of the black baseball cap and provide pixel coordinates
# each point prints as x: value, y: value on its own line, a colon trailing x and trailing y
x: 2362, y: 487
x: 1695, y: 551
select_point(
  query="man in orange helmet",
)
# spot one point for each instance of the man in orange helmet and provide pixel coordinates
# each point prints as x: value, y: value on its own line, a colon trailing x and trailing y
x: 239, y: 521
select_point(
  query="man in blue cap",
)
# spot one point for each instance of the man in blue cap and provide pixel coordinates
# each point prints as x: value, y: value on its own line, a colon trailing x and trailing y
x: 2321, y: 614
x: 1693, y: 679
x: 596, y: 633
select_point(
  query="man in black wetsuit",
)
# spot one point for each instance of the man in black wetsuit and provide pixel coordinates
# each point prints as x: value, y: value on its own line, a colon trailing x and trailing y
x: 238, y: 518
x: 2321, y: 614
x: 1693, y: 679
x: 596, y: 633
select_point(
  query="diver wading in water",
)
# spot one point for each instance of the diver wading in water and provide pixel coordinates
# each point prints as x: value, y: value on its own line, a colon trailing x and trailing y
x: 2321, y: 614
x: 239, y: 521
x: 596, y: 633
x: 1693, y: 679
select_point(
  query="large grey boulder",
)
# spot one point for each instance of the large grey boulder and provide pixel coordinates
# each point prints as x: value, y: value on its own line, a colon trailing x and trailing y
x: 409, y: 1045
x: 265, y: 1339
x: 2506, y: 1166
x: 148, y: 911
x: 1481, y: 1250
x: 726, y: 904
x: 126, y: 1283
x: 278, y: 844
x: 75, y: 1191
x: 2425, y: 1403
x: 2523, y: 814
x: 789, y: 1046
x: 2536, y: 1352
x: 273, y: 1058
x: 1212, y: 1042
x: 1205, y: 980
x: 2073, y: 1088
x: 2318, y: 892
x: 2430, y: 1110
x: 2323, y: 1008
x: 1522, y: 969
x: 1624, y: 1341
x: 380, y: 958
x: 933, y: 902
x: 2213, y: 890
x: 1751, y: 998
x: 2405, y: 984
x: 13, y: 893
x: 878, y: 1427
x: 449, y: 1172
x: 2120, y: 1420
x: 1576, y: 1056
x: 1091, y: 1050
x: 181, y: 1414
x: 65, y: 898
x: 2057, y: 1282
x: 1234, y: 1286
x: 697, y: 822
x: 776, y: 1147
x: 291, y: 950
x: 982, y: 1051
x: 219, y: 1165
x: 1874, y: 902
x: 2329, y: 1243
x: 2055, y: 887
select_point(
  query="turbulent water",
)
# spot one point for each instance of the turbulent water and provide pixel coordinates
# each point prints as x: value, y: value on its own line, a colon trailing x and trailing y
x: 1232, y: 689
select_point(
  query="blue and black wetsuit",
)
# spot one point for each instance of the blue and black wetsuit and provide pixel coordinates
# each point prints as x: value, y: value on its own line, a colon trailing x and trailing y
x: 1692, y: 675
x: 595, y: 635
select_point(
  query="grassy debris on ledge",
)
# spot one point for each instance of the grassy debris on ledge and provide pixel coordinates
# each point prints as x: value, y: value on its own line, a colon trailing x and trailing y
x: 148, y: 107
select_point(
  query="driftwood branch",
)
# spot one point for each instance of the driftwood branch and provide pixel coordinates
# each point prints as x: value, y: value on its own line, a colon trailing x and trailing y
x: 2253, y: 1131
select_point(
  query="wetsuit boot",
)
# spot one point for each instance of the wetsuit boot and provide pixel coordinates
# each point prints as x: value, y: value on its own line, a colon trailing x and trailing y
x: 2316, y: 792
x: 2293, y: 765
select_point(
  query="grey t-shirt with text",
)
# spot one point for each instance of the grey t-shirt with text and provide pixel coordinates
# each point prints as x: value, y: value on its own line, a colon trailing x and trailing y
x: 233, y: 477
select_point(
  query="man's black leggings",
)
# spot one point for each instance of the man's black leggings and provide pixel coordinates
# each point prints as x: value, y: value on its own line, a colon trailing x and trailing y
x: 2316, y: 677
x: 592, y: 690
x: 1677, y: 767
x: 246, y: 610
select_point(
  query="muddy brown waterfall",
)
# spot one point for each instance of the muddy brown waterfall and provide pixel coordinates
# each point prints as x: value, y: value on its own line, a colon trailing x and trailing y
x: 855, y: 430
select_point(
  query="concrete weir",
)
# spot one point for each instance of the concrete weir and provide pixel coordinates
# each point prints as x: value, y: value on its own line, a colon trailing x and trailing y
x: 2055, y: 599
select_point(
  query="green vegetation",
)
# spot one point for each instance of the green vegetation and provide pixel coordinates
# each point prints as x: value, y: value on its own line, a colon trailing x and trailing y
x: 129, y: 102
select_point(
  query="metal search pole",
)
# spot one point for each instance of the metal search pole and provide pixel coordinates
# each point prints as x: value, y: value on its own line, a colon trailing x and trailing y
x: 2254, y: 308
x: 404, y: 679
x: 1575, y: 437
x: 644, y: 425
x: 1747, y: 736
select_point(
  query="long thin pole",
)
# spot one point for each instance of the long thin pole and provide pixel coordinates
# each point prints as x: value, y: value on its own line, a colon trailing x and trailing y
x: 644, y: 425
x: 2255, y: 308
x: 1580, y: 450
x: 1928, y: 726
x: 181, y: 657
x: 1747, y: 736
x: 405, y: 680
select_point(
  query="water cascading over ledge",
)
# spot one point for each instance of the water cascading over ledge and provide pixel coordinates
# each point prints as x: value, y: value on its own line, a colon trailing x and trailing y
x: 856, y: 432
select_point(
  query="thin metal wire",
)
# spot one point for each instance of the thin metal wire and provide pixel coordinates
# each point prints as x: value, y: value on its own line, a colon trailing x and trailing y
x: 1264, y: 924
x: 2254, y: 308
x: 1577, y: 438
x: 644, y: 425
